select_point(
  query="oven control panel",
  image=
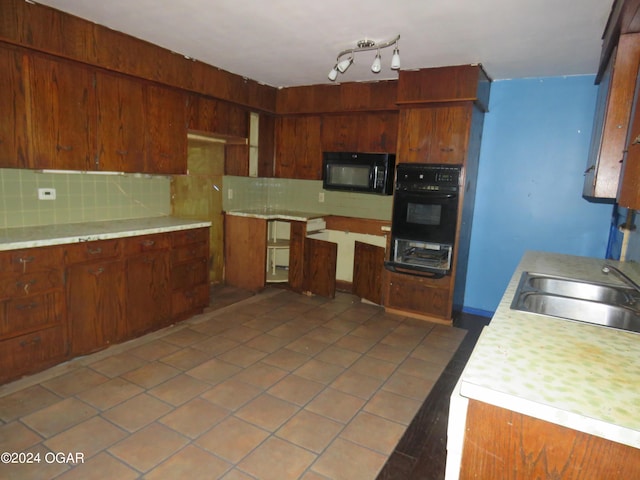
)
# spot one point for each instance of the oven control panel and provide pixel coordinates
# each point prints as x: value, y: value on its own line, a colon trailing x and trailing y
x: 421, y: 177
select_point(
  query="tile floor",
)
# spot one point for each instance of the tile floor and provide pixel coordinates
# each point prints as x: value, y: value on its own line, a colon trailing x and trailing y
x: 277, y: 386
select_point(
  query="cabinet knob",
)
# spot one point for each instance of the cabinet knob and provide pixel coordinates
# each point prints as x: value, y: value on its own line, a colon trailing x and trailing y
x: 636, y: 140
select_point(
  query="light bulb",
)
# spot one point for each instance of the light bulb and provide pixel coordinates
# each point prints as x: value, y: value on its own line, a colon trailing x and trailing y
x: 375, y: 67
x: 344, y: 64
x: 395, y: 59
x: 333, y: 74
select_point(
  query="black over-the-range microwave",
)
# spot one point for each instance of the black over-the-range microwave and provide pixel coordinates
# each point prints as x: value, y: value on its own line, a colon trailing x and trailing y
x: 358, y: 172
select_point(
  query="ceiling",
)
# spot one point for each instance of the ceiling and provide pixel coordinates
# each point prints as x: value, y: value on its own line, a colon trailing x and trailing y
x: 286, y: 43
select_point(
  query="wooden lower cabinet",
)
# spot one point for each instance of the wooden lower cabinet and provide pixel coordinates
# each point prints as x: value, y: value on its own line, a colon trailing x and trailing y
x: 320, y: 267
x: 33, y: 331
x: 189, y: 272
x: 503, y: 444
x: 62, y: 301
x: 421, y: 296
x: 95, y: 305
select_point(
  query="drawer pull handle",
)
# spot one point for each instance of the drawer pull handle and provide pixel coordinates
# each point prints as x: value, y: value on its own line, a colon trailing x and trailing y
x: 26, y: 259
x: 97, y: 272
x: 27, y: 306
x: 122, y: 152
x: 148, y: 243
x: 35, y: 341
x: 94, y: 251
x: 66, y: 148
x: 26, y: 285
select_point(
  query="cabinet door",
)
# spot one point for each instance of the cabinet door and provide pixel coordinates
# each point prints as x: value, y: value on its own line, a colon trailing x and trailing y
x: 299, y: 148
x: 320, y: 267
x: 14, y: 146
x: 121, y: 123
x: 420, y: 295
x: 368, y: 264
x: 147, y: 292
x: 434, y: 134
x: 62, y: 114
x: 629, y: 189
x: 245, y: 252
x: 95, y: 300
x: 166, y: 132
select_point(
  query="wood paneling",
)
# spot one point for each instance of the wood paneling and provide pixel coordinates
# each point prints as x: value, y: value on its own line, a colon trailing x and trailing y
x: 297, y: 252
x: 339, y: 98
x: 48, y: 30
x: 445, y: 84
x: 503, y: 444
x: 629, y: 188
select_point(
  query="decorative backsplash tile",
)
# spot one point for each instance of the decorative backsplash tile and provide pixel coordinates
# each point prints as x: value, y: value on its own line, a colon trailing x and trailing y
x: 80, y: 197
x: 302, y: 195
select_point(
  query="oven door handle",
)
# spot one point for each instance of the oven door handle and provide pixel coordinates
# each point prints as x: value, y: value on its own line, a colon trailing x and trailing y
x: 393, y: 268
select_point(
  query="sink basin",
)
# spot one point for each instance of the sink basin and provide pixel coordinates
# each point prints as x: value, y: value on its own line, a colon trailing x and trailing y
x: 581, y: 310
x: 584, y: 290
x: 600, y: 304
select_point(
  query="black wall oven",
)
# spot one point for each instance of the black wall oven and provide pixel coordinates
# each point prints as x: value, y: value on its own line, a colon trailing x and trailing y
x: 425, y: 215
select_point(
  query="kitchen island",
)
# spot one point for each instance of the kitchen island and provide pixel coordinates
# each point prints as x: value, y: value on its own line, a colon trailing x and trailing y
x: 563, y: 376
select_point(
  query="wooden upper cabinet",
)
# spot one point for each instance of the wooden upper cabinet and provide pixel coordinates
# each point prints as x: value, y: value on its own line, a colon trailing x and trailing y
x: 437, y: 134
x: 121, y: 123
x: 61, y: 114
x: 166, y: 130
x: 629, y: 188
x: 612, y: 119
x: 298, y: 147
x: 363, y: 132
x: 14, y: 145
x: 212, y: 116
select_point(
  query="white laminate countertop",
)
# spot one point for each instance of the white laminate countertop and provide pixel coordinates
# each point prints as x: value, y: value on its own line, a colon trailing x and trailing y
x: 46, y: 235
x: 578, y: 375
x: 276, y: 214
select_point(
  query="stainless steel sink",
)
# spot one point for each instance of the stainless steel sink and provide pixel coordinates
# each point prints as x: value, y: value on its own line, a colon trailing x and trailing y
x: 600, y: 304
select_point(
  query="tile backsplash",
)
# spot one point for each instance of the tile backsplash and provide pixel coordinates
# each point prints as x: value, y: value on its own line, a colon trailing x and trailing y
x: 80, y: 197
x: 302, y: 195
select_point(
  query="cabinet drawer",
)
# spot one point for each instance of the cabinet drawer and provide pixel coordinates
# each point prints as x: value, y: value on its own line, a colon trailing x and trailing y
x: 420, y: 295
x: 30, y: 283
x: 30, y: 313
x: 87, y: 251
x: 187, y: 237
x: 189, y: 252
x: 30, y: 260
x: 184, y: 301
x: 189, y: 274
x: 145, y: 243
x: 31, y: 352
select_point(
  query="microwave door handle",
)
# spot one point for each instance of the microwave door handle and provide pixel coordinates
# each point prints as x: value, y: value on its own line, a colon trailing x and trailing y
x: 375, y: 176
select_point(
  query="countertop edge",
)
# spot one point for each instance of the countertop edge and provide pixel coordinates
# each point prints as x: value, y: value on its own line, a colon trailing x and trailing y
x: 91, y: 231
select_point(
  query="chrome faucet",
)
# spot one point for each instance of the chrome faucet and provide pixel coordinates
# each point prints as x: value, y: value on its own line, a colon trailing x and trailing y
x: 622, y: 276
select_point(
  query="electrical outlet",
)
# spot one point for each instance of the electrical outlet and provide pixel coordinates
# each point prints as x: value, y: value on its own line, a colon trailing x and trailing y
x: 321, y: 197
x: 230, y: 193
x: 46, y: 194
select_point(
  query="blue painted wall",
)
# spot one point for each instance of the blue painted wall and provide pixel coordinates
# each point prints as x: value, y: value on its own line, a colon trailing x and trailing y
x: 529, y: 197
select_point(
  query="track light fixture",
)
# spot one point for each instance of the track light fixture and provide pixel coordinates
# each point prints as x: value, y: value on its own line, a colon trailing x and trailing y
x: 342, y: 65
